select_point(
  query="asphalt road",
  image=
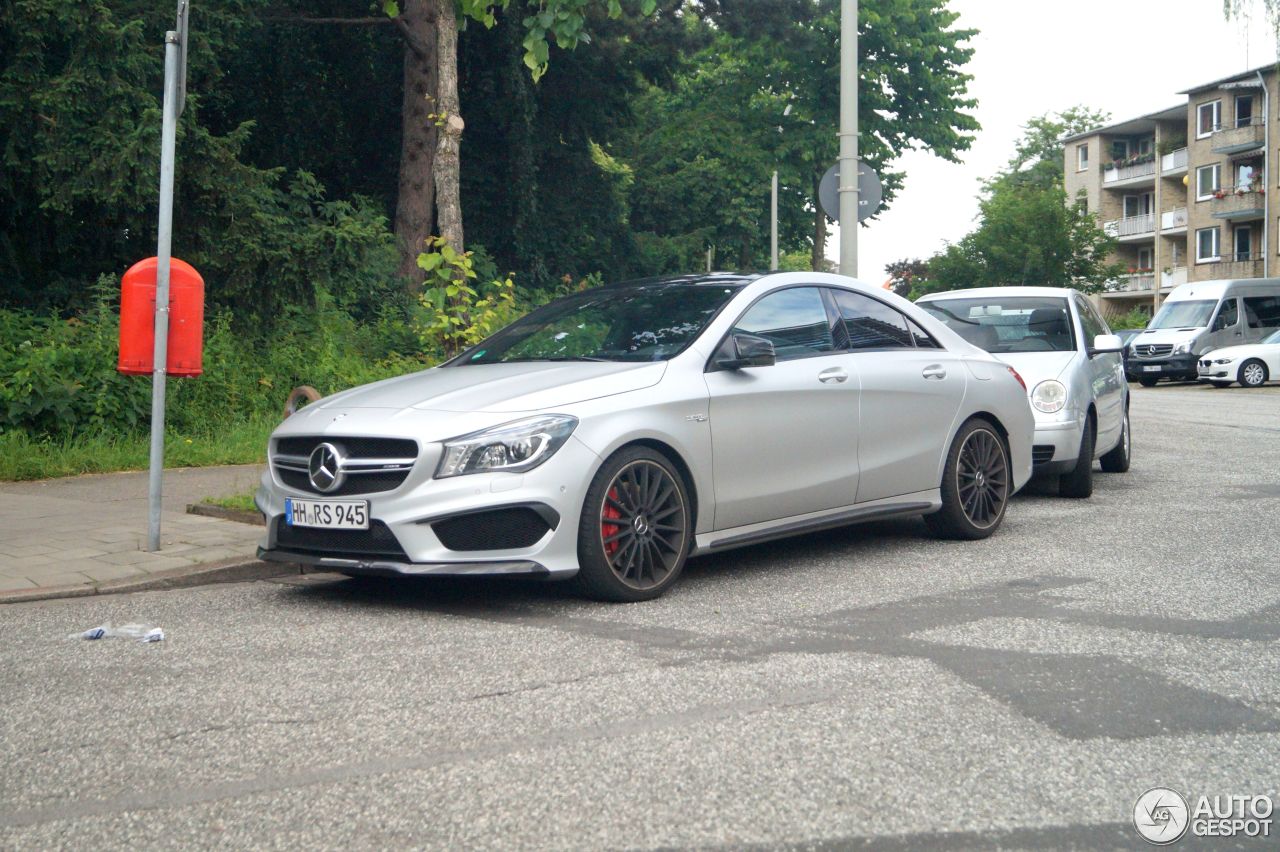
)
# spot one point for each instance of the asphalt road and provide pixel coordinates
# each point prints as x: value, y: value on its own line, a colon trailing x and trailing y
x: 868, y: 686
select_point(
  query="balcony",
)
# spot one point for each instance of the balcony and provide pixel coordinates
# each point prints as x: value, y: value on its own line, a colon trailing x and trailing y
x: 1132, y: 228
x: 1133, y: 174
x: 1235, y: 266
x: 1175, y: 277
x: 1134, y: 282
x: 1174, y: 162
x: 1242, y: 139
x: 1173, y: 220
x: 1239, y: 203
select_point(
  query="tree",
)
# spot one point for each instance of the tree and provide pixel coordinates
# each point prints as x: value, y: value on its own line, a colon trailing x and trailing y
x: 1037, y: 156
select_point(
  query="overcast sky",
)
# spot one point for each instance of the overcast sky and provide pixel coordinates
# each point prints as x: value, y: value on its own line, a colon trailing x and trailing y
x: 1035, y: 57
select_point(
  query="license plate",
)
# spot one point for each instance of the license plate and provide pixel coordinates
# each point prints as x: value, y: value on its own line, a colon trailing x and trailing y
x: 327, y: 514
x: 1151, y: 369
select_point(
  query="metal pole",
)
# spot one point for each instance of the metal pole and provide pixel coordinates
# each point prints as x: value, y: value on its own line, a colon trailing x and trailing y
x: 773, y: 224
x: 848, y: 137
x: 164, y: 245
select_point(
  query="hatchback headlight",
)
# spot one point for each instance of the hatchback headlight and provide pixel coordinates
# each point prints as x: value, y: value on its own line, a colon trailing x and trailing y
x: 510, y: 448
x: 1049, y: 396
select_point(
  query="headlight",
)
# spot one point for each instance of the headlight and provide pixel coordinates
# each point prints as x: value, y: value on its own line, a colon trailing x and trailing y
x: 1182, y: 348
x: 510, y: 448
x: 1223, y: 360
x: 1049, y: 396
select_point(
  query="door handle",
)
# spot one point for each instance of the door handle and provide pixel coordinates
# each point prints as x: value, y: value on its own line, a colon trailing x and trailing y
x: 832, y: 374
x: 934, y: 371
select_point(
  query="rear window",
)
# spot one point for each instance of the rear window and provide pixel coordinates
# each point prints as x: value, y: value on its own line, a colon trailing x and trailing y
x: 1008, y: 324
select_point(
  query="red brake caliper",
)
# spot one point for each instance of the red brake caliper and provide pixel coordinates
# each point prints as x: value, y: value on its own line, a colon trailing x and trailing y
x: 607, y: 528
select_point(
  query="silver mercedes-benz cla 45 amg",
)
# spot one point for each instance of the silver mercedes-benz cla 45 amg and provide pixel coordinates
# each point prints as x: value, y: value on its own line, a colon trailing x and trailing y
x: 613, y: 433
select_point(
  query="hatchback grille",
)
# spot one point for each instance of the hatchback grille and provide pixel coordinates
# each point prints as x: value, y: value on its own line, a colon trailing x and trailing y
x: 497, y: 529
x: 1153, y: 350
x: 1041, y: 453
x: 378, y: 540
x: 370, y: 465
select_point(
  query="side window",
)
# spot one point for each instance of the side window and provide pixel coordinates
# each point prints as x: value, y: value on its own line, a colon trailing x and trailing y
x: 922, y: 338
x: 1093, y: 324
x: 1262, y: 311
x: 794, y: 320
x: 872, y: 324
x: 1228, y: 315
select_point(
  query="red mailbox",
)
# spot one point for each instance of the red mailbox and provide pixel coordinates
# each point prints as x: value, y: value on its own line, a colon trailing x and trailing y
x: 138, y: 318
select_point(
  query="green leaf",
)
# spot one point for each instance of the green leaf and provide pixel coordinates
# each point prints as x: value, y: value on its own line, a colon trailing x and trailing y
x: 391, y: 8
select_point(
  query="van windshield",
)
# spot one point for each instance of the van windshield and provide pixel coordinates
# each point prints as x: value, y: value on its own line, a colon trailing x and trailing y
x: 1183, y: 315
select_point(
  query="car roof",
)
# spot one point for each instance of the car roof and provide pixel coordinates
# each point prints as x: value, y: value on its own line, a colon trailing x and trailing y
x: 981, y: 292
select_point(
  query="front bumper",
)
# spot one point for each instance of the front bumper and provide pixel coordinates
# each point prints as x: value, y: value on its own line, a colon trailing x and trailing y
x: 1167, y: 367
x: 1056, y: 446
x: 408, y: 533
x: 1211, y: 372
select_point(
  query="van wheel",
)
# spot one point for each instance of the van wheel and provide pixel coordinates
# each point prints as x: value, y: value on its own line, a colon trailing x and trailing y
x: 1117, y: 461
x: 975, y: 484
x: 1253, y: 373
x: 1079, y: 482
x: 1148, y: 383
x: 1221, y: 384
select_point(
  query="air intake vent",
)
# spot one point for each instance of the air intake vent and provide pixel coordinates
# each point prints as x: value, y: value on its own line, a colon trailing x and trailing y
x: 496, y: 529
x: 378, y: 540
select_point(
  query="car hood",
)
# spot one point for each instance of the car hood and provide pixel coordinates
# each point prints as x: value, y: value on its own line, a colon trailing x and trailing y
x: 1166, y: 335
x: 1035, y: 367
x: 1247, y: 350
x: 499, y: 388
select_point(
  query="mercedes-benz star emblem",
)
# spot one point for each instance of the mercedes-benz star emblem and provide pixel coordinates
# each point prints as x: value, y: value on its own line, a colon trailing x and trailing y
x: 324, y: 468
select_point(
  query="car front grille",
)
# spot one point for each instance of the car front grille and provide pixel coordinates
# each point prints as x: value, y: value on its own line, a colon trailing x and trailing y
x: 369, y: 465
x: 378, y: 540
x: 1042, y: 453
x: 1153, y: 350
x: 495, y: 529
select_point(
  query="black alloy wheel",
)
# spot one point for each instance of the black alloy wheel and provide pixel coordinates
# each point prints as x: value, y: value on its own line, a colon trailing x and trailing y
x: 975, y: 484
x: 635, y: 529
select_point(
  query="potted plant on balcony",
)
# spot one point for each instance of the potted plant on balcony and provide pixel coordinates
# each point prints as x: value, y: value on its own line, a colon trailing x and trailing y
x: 1219, y: 193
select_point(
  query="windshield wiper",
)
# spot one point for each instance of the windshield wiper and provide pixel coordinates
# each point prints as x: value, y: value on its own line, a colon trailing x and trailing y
x: 575, y: 358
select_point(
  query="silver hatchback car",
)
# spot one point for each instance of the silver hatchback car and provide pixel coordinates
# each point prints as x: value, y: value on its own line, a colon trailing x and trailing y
x: 612, y: 434
x: 1073, y: 366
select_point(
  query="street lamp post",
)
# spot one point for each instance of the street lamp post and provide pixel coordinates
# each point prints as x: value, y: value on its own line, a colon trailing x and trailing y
x: 848, y: 137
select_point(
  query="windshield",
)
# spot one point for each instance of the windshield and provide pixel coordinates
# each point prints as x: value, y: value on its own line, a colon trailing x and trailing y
x: 1274, y: 337
x: 640, y: 323
x: 1183, y: 315
x: 1008, y: 324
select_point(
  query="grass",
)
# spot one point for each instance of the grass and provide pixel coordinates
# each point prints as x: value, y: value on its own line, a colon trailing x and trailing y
x: 22, y: 457
x: 239, y: 502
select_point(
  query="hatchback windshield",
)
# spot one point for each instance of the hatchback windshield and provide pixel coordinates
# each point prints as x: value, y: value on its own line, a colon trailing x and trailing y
x: 1183, y: 315
x: 1008, y: 324
x: 640, y: 323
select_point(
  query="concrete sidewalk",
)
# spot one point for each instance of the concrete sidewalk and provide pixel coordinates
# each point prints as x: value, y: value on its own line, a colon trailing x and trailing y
x: 85, y: 531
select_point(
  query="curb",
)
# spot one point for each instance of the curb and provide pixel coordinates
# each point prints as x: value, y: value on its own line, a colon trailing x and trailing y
x: 209, y: 510
x: 228, y: 571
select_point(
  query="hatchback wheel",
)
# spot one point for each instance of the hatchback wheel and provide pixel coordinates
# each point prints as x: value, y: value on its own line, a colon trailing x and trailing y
x: 1253, y: 373
x: 1148, y: 383
x: 1078, y: 482
x: 635, y: 529
x: 1117, y: 460
x: 975, y: 484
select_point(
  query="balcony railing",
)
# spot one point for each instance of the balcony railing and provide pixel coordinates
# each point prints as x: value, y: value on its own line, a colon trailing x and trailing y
x: 1236, y: 140
x: 1134, y: 282
x: 1236, y: 266
x: 1174, y: 161
x: 1132, y: 226
x: 1239, y: 202
x: 1175, y: 277
x: 1114, y: 174
x: 1173, y: 219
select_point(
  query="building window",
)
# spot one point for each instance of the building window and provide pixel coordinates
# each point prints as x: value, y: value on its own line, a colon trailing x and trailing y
x: 1146, y: 144
x: 1082, y: 157
x: 1207, y: 245
x: 1208, y: 181
x: 1208, y: 118
x: 1146, y: 259
x: 1244, y: 242
x: 1244, y: 110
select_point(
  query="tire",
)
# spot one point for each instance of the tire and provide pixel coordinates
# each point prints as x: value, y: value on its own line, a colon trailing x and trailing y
x: 1117, y: 460
x: 1147, y: 383
x: 636, y: 528
x: 1253, y: 374
x: 1221, y: 385
x: 1078, y: 482
x: 975, y: 484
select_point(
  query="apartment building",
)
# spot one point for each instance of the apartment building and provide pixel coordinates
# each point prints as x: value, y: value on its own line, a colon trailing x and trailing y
x: 1185, y: 191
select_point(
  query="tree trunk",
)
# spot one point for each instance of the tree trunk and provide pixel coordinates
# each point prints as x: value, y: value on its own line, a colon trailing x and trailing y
x: 416, y: 197
x: 448, y: 162
x: 818, y: 261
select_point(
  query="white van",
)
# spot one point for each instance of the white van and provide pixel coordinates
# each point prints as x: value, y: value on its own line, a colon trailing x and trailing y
x: 1199, y: 317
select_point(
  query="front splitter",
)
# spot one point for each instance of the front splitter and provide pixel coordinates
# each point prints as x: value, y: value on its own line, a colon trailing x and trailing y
x: 387, y: 567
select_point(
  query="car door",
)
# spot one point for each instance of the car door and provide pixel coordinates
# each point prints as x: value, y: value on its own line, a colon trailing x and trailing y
x: 1226, y: 328
x: 784, y: 437
x: 911, y: 390
x: 1106, y: 378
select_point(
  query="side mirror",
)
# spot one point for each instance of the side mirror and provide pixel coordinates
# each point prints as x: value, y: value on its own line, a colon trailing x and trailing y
x: 749, y: 350
x: 1106, y: 343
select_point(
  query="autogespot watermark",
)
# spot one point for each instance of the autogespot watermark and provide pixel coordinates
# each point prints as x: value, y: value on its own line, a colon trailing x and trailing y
x: 1163, y: 816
